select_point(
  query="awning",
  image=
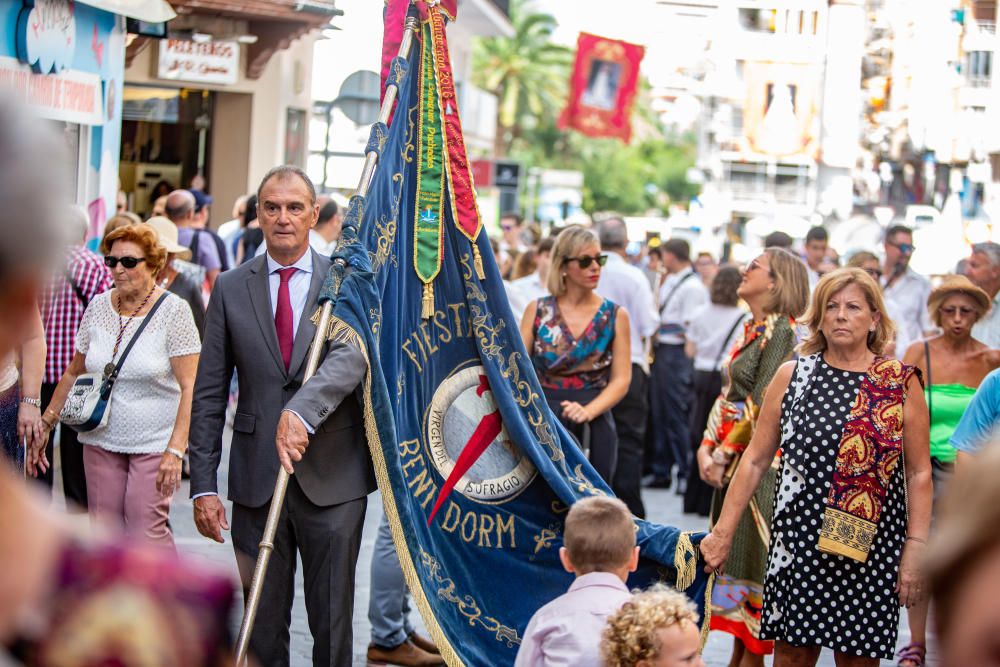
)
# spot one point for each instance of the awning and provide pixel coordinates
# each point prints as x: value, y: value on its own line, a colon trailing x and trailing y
x: 151, y: 11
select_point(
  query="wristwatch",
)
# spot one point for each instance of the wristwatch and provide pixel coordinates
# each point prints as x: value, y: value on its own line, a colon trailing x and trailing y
x: 37, y: 402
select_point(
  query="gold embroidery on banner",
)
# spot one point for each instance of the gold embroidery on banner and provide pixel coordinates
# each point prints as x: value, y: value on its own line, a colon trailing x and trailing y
x: 490, y: 346
x: 413, y: 583
x: 544, y: 539
x: 467, y: 605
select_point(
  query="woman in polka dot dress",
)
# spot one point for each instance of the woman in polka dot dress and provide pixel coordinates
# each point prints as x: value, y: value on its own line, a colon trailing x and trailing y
x: 852, y: 505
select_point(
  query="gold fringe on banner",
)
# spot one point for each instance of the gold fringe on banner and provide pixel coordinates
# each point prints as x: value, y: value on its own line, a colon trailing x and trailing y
x: 427, y: 312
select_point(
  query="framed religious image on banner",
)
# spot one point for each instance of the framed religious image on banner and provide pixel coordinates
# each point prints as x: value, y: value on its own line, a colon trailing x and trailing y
x: 295, y: 136
x: 603, y: 86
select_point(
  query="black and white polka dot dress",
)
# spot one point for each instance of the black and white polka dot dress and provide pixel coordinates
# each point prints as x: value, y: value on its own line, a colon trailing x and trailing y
x: 818, y: 599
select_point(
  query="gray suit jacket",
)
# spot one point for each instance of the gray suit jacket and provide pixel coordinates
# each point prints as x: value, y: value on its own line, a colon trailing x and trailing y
x: 240, y: 335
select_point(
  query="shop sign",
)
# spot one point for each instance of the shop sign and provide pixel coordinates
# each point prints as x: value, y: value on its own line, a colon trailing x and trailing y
x: 208, y: 62
x: 70, y: 96
x: 46, y: 35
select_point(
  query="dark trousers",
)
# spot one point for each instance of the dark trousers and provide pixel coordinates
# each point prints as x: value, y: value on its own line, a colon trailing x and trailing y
x: 670, y: 401
x: 707, y: 386
x: 630, y: 422
x: 328, y: 538
x: 70, y: 459
x: 598, y: 434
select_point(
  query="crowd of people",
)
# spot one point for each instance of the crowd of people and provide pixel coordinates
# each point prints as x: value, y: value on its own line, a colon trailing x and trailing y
x: 815, y: 414
x: 791, y: 401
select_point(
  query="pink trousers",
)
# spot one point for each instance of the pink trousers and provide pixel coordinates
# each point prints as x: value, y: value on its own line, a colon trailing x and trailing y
x: 121, y: 492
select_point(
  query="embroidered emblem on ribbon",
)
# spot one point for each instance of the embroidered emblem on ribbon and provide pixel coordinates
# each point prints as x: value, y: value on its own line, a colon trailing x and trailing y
x: 427, y: 224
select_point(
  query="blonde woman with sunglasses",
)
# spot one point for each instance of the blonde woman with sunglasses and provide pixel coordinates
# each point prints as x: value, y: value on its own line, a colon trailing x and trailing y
x: 580, y: 346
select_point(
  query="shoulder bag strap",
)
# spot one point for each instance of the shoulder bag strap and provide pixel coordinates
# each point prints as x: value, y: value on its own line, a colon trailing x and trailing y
x: 725, y: 341
x: 76, y: 288
x: 930, y: 386
x: 109, y: 382
x: 673, y: 290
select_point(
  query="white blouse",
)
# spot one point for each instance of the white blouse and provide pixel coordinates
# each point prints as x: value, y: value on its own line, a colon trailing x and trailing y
x: 146, y: 394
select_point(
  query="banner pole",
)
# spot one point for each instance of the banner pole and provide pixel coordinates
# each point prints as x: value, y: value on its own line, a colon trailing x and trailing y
x: 312, y: 363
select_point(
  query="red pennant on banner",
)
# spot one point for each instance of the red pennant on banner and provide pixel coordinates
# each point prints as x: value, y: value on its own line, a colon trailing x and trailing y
x: 603, y: 87
x: 393, y: 18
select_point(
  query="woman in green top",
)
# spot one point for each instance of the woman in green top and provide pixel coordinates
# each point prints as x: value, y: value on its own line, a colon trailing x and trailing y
x: 953, y: 365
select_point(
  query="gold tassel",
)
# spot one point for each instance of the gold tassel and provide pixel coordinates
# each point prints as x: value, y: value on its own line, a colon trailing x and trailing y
x: 685, y: 562
x: 427, y: 312
x: 478, y: 261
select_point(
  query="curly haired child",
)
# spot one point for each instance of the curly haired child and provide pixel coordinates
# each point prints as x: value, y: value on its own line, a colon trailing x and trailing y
x: 656, y: 628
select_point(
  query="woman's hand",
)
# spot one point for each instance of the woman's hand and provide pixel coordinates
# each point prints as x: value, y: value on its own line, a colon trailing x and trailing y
x: 910, y: 584
x: 168, y: 477
x: 35, y: 460
x: 29, y: 424
x: 575, y: 412
x: 711, y: 473
x: 715, y: 551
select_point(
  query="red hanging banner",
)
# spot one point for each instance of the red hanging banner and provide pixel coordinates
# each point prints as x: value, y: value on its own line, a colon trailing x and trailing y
x: 602, y: 87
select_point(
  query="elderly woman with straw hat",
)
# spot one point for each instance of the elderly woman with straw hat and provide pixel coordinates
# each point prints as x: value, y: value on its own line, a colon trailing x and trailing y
x: 954, y: 365
x: 853, y: 496
x: 184, y: 283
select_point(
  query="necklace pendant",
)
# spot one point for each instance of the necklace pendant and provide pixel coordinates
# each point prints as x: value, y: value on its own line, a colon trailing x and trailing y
x: 109, y: 368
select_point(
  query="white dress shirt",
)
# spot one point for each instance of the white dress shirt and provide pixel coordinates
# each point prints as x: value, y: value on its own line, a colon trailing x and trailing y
x: 628, y: 287
x: 523, y: 291
x: 690, y: 295
x: 987, y: 329
x: 298, y: 286
x: 906, y: 303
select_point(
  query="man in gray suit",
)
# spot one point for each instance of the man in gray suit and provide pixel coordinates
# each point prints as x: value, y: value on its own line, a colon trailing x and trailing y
x: 258, y: 323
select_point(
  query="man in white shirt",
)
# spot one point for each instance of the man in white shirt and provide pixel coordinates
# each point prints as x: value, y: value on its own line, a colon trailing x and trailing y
x: 525, y: 290
x: 681, y: 295
x: 905, y: 291
x: 983, y: 269
x: 327, y: 230
x: 816, y: 243
x: 628, y: 287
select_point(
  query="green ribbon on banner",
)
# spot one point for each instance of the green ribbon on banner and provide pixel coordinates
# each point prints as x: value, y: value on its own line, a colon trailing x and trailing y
x: 428, y: 223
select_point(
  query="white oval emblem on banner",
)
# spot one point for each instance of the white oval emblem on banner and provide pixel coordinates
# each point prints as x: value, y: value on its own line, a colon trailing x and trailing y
x: 459, y: 405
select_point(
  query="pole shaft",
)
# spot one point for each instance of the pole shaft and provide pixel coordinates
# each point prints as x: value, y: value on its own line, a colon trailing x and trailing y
x: 312, y: 363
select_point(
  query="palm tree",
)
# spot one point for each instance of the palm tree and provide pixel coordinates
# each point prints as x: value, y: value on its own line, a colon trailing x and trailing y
x: 527, y: 72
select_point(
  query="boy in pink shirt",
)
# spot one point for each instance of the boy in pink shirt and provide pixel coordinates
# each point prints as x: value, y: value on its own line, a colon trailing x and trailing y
x: 599, y: 548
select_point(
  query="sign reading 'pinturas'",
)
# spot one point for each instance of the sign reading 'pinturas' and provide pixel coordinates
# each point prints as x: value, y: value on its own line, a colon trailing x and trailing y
x: 208, y: 62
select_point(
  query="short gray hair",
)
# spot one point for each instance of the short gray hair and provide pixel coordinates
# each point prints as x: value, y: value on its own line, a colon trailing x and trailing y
x: 990, y: 249
x: 79, y: 222
x: 287, y: 171
x: 612, y: 233
x: 33, y: 194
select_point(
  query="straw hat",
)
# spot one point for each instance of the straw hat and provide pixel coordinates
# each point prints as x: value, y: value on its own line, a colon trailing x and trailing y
x: 958, y: 285
x: 167, y: 231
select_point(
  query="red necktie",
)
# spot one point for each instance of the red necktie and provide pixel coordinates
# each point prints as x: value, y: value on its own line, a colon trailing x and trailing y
x: 283, y: 316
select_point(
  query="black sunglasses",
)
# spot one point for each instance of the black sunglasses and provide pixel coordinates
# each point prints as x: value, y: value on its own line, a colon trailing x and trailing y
x: 905, y: 248
x: 127, y: 262
x: 586, y: 261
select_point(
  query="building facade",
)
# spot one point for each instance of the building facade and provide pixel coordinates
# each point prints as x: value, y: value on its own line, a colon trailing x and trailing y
x: 780, y: 125
x: 66, y: 61
x: 346, y: 87
x: 225, y: 96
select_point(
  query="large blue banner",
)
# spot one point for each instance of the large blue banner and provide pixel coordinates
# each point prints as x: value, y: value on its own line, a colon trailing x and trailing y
x: 454, y: 395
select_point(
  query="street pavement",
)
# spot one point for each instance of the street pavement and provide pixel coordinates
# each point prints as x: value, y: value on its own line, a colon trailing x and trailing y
x: 663, y: 507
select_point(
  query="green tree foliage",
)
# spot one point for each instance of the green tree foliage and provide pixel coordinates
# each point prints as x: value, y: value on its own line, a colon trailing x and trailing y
x: 530, y: 76
x: 527, y: 72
